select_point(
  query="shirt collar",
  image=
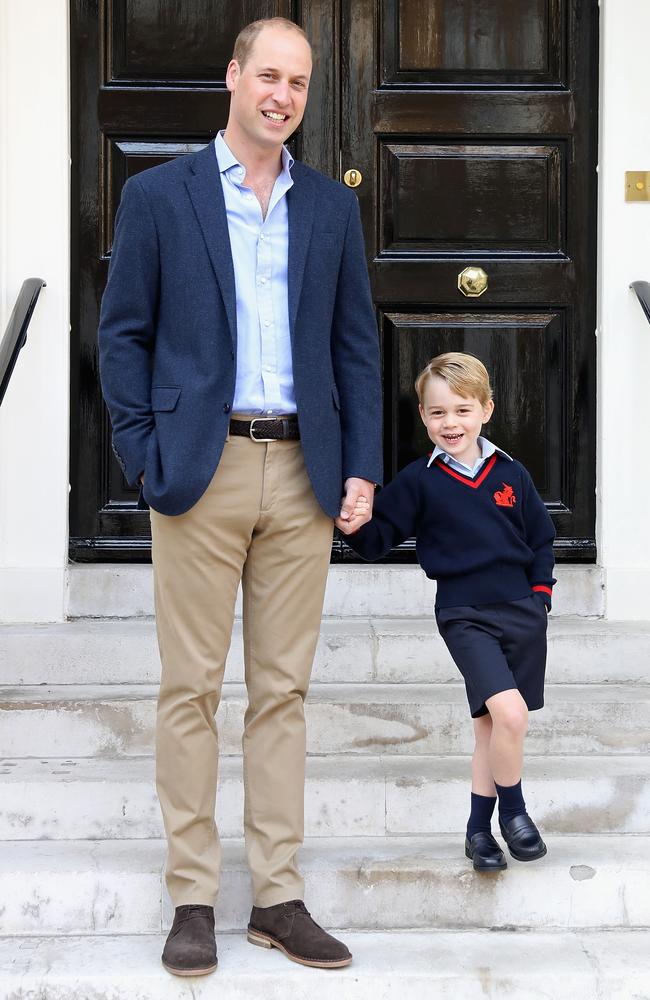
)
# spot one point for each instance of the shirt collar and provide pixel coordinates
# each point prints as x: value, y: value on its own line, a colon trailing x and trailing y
x: 227, y: 160
x: 488, y: 448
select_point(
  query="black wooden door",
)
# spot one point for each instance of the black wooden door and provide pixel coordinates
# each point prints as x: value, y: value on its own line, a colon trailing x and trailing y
x: 473, y: 123
x: 474, y: 126
x: 148, y: 85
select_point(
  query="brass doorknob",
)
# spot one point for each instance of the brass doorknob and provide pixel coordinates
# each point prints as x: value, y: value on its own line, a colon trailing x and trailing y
x: 472, y: 282
x: 353, y: 178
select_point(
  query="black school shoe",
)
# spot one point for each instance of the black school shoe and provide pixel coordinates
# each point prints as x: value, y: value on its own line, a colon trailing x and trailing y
x: 190, y: 948
x: 484, y: 853
x: 523, y: 838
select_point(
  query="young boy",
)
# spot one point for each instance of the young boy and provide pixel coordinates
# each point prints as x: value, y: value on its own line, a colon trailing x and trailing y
x: 484, y: 534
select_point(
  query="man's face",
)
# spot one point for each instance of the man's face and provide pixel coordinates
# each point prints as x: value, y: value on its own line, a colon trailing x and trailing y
x: 269, y: 92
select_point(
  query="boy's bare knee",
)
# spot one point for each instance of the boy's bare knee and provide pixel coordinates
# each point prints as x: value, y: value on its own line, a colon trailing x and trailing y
x: 510, y: 714
x: 515, y: 722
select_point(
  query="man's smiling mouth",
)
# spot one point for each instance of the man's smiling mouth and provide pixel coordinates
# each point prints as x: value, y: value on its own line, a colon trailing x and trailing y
x: 275, y: 116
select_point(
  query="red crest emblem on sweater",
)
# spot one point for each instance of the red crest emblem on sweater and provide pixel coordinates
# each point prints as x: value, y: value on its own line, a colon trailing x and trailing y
x: 505, y: 497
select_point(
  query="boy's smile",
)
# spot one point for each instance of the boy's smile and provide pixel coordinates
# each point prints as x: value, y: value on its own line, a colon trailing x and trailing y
x: 453, y: 422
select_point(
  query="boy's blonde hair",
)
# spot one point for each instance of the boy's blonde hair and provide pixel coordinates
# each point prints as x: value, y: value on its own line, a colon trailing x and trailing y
x: 246, y: 37
x: 464, y: 374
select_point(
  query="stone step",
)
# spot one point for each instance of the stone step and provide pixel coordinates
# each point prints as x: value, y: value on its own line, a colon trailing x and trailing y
x: 473, y: 965
x: 120, y: 590
x: 117, y: 721
x: 116, y: 887
x: 350, y: 650
x: 98, y: 799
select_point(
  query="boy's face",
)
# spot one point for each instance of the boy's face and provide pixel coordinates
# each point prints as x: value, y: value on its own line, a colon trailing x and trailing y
x: 453, y: 422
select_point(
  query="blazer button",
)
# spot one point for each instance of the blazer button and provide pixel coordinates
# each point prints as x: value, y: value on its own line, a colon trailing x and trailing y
x: 226, y: 407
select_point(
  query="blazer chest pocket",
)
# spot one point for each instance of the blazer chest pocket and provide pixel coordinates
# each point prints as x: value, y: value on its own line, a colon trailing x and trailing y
x: 164, y: 397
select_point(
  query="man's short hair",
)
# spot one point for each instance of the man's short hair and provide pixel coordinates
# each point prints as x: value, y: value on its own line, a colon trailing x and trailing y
x: 464, y: 374
x: 246, y: 37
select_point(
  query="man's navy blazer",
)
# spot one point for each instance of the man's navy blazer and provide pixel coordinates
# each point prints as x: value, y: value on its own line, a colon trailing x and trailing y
x: 168, y: 333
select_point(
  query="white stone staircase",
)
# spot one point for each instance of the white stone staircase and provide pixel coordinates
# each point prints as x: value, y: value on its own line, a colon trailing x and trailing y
x: 83, y: 909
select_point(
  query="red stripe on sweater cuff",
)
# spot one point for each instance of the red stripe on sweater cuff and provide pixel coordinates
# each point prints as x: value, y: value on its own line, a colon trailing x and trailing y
x: 544, y: 590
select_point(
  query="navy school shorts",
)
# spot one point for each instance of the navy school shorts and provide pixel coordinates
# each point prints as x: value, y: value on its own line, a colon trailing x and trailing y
x: 498, y: 647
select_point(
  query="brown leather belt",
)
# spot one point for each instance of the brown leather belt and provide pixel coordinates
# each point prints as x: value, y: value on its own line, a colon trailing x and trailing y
x: 267, y: 428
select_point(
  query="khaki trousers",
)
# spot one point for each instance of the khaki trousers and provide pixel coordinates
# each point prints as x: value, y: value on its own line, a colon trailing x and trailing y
x: 258, y: 521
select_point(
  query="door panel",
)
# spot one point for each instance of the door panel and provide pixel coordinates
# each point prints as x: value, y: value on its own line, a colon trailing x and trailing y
x: 529, y: 343
x: 163, y: 42
x: 493, y: 42
x: 506, y: 198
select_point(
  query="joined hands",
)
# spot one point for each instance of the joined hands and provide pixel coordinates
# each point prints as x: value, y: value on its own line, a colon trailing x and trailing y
x: 356, y: 505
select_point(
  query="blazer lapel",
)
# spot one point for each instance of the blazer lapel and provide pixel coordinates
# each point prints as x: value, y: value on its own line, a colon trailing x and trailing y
x: 300, y: 199
x: 204, y: 187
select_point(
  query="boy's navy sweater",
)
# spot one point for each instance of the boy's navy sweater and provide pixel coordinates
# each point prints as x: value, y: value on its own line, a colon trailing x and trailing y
x: 485, y: 540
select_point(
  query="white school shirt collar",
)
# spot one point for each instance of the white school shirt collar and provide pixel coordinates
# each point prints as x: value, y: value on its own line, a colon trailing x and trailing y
x: 488, y: 448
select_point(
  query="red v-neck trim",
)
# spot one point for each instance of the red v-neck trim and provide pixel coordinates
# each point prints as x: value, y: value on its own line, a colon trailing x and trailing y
x: 474, y: 483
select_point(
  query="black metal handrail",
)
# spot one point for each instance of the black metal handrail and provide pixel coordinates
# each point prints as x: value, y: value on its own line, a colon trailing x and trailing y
x: 16, y: 333
x: 642, y: 289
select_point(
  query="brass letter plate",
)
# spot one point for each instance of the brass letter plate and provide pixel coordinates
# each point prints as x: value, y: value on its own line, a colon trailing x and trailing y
x: 637, y: 185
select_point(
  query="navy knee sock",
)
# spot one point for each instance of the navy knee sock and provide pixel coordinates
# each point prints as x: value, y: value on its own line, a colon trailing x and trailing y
x: 511, y: 801
x: 481, y: 814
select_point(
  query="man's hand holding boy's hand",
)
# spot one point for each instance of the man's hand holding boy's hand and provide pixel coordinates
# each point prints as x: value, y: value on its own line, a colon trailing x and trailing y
x: 356, y: 506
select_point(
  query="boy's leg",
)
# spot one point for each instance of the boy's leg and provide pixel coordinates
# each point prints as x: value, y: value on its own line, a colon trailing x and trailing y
x: 524, y: 646
x: 484, y: 796
x: 509, y: 716
x: 480, y: 845
x: 482, y: 780
x: 509, y: 726
x: 486, y: 644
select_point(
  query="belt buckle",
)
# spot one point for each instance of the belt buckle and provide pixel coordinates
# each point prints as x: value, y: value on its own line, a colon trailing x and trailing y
x: 258, y: 439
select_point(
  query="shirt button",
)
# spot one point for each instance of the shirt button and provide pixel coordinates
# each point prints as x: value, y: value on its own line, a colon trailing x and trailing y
x: 262, y: 281
x: 268, y: 323
x: 262, y: 236
x: 226, y: 407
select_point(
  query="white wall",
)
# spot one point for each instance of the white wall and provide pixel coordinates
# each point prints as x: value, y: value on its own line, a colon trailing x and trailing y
x: 624, y: 333
x: 34, y: 242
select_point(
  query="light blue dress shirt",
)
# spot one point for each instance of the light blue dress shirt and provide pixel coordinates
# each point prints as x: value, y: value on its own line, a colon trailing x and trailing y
x: 260, y: 250
x: 487, y: 450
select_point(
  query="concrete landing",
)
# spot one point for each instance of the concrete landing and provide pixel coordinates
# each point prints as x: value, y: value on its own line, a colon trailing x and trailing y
x: 477, y: 965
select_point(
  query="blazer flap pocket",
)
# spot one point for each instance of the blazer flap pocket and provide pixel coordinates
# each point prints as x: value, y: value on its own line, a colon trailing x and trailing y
x: 164, y: 397
x: 335, y: 397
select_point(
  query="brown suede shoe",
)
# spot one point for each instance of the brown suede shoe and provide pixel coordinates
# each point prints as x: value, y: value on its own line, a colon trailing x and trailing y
x: 190, y: 948
x: 289, y: 927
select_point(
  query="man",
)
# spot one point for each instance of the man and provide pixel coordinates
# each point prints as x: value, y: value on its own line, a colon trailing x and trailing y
x: 239, y: 362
